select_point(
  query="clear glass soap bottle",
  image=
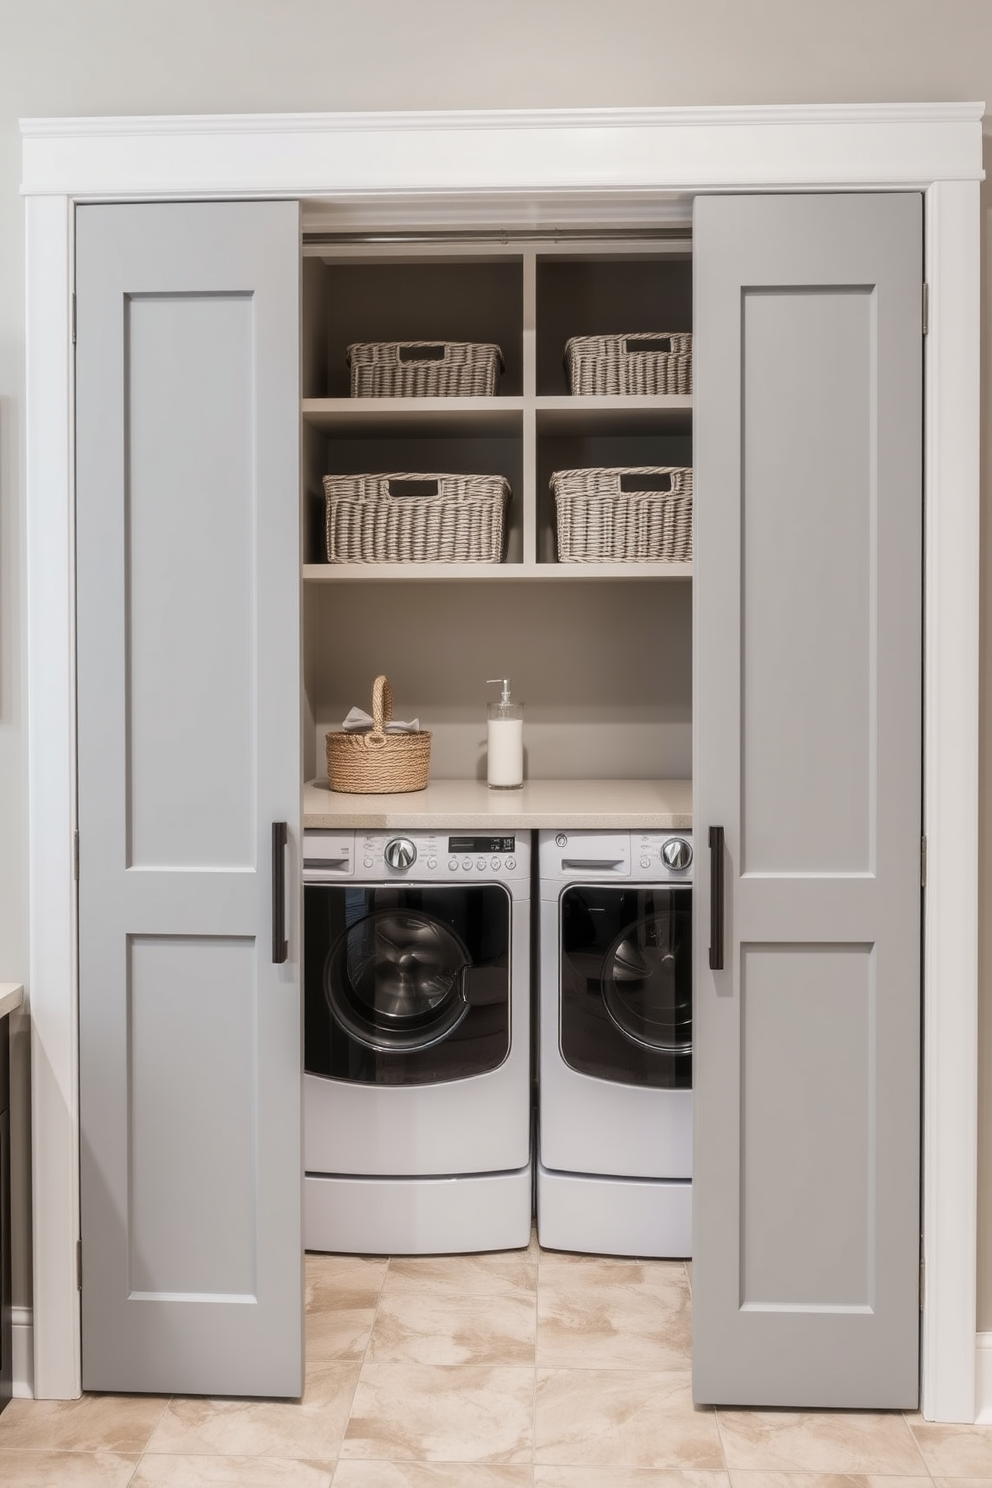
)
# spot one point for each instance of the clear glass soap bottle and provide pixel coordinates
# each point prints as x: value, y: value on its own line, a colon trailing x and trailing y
x: 505, y: 737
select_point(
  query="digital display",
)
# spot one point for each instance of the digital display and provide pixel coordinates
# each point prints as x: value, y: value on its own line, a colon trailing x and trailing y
x: 482, y: 844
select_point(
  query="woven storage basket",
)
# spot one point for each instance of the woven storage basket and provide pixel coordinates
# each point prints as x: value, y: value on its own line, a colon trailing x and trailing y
x: 646, y: 362
x: 377, y: 763
x: 404, y: 517
x: 640, y: 514
x: 418, y: 369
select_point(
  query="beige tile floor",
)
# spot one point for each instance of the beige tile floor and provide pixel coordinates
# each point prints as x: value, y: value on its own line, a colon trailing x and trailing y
x: 525, y: 1369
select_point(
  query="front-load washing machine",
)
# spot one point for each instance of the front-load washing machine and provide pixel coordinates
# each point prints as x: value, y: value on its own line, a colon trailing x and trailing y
x: 417, y: 1088
x: 615, y: 1105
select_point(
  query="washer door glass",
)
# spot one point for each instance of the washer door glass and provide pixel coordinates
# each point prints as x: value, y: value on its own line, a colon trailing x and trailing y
x: 644, y: 995
x: 396, y: 980
x: 625, y: 990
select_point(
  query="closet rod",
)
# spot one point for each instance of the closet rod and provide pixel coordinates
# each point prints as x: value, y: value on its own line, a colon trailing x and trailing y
x: 510, y: 235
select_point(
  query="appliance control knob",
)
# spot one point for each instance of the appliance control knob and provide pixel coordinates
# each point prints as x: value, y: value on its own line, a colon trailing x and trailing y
x: 676, y: 853
x: 400, y: 852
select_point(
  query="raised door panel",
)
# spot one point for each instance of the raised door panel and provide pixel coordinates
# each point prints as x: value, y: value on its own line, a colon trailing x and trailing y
x: 807, y: 726
x: 188, y: 625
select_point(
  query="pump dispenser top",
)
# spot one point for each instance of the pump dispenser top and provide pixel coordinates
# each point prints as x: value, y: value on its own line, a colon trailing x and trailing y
x: 504, y: 705
x: 505, y: 737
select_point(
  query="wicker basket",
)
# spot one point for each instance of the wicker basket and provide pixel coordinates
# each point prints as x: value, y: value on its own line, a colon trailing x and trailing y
x: 637, y: 514
x: 412, y: 518
x: 646, y: 362
x: 377, y: 763
x: 418, y: 369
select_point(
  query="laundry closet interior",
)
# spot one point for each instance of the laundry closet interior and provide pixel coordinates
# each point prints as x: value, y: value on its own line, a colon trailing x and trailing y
x: 599, y: 653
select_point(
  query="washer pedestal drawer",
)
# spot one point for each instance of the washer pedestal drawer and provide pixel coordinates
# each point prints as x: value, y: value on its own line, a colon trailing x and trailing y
x: 418, y: 1216
x: 613, y: 1216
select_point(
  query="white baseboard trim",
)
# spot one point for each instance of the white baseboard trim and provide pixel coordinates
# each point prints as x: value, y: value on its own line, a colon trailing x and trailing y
x: 22, y: 1352
x: 983, y: 1379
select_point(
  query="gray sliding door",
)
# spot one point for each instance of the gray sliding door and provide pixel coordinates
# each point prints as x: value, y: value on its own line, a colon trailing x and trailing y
x: 188, y: 573
x: 807, y: 726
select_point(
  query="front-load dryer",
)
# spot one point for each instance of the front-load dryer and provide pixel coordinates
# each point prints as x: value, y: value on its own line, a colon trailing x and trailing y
x: 615, y: 1104
x: 417, y: 1079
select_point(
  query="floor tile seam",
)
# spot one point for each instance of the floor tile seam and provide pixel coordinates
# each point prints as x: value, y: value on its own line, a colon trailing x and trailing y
x: 723, y: 1444
x: 74, y: 1451
x: 915, y: 1440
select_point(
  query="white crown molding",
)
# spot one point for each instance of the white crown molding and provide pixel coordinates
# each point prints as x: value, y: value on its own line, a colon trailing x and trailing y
x: 504, y: 119
x: 549, y: 151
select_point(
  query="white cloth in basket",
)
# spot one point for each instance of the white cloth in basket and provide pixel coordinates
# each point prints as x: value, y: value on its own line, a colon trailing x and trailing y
x: 359, y: 722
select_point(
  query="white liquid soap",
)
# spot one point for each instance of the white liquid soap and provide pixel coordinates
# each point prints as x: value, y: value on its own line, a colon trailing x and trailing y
x: 505, y: 738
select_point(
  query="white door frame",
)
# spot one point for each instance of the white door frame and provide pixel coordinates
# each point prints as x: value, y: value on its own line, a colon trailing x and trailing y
x: 516, y: 169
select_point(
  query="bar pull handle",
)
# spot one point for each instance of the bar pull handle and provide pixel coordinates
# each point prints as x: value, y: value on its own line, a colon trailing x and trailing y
x: 280, y: 946
x: 716, y: 898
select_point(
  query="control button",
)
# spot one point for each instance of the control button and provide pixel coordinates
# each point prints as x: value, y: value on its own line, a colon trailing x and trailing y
x: 466, y: 864
x: 561, y: 840
x: 369, y: 863
x: 452, y: 864
x: 645, y: 862
x: 494, y: 864
x: 480, y: 863
x: 432, y: 862
x: 511, y: 863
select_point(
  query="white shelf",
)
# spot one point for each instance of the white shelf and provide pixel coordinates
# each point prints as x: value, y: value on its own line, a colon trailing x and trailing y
x: 497, y: 573
x: 381, y: 418
x: 460, y: 804
x: 477, y: 417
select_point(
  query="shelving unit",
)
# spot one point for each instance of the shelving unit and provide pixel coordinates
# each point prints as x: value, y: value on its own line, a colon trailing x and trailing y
x: 600, y: 652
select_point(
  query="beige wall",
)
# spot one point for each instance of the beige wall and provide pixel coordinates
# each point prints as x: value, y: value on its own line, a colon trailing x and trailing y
x: 60, y: 57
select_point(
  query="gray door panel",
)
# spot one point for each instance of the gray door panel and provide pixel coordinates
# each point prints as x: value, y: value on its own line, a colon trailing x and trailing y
x: 188, y: 568
x: 807, y: 723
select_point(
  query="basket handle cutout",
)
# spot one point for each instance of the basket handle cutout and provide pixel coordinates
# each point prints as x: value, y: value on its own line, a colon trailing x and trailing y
x: 631, y: 483
x: 422, y: 353
x: 663, y: 343
x: 402, y: 488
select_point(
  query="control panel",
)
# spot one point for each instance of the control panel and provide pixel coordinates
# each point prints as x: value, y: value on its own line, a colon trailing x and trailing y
x: 415, y: 855
x: 590, y: 856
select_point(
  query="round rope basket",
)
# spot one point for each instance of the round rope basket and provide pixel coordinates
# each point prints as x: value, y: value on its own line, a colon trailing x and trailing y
x: 378, y: 763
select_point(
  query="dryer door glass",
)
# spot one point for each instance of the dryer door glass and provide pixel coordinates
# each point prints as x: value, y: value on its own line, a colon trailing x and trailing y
x: 625, y: 996
x: 405, y: 984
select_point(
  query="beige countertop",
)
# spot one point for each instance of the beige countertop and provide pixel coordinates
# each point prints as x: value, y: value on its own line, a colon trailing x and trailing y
x: 460, y: 804
x: 11, y: 997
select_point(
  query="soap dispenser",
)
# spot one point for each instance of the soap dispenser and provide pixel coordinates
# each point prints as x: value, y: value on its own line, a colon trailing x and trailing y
x: 505, y: 769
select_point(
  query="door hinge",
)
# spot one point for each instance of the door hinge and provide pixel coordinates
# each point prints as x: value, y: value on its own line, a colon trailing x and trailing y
x: 926, y: 308
x: 73, y: 317
x: 79, y: 1265
x: 923, y: 862
x: 75, y: 855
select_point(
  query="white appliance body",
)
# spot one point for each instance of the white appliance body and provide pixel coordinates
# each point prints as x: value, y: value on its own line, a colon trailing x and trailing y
x: 417, y: 1098
x: 615, y: 1105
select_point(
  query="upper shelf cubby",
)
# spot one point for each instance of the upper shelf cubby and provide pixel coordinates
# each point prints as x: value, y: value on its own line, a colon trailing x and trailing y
x: 413, y: 298
x: 602, y: 294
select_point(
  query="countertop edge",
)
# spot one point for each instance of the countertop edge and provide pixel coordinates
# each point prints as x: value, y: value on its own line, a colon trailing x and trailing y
x: 11, y: 997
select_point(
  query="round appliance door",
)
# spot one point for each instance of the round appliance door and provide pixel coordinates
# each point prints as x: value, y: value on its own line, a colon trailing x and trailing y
x: 625, y: 988
x: 646, y: 998
x: 395, y: 980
